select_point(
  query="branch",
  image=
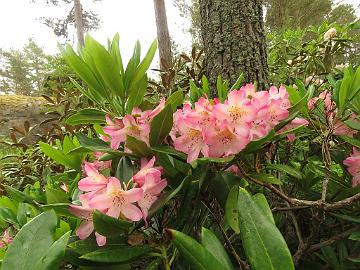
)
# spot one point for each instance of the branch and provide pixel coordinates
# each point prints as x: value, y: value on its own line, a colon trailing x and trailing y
x: 298, y: 202
x: 333, y: 239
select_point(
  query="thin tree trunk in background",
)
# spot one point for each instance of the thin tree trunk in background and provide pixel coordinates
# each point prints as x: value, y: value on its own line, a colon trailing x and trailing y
x: 79, y: 22
x: 162, y: 34
x: 234, y: 40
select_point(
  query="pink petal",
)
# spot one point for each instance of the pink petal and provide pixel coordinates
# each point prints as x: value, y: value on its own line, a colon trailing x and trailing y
x: 101, y: 202
x: 131, y: 212
x: 85, y: 229
x: 133, y: 195
x: 100, y: 239
x: 80, y: 211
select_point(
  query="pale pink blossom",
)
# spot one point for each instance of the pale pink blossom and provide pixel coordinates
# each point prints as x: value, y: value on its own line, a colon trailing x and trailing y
x: 296, y: 122
x: 152, y: 188
x: 353, y: 164
x: 147, y: 171
x: 101, y: 165
x: 147, y: 116
x: 94, y: 180
x: 341, y: 129
x: 225, y: 142
x: 190, y: 141
x: 85, y: 213
x: 329, y: 34
x: 118, y: 201
x: 6, y: 239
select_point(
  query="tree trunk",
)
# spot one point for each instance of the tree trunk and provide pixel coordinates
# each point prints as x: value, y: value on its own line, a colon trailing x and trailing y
x: 162, y: 34
x: 79, y: 22
x: 234, y: 41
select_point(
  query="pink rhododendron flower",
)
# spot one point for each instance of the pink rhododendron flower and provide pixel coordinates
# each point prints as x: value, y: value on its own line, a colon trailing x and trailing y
x: 191, y: 141
x: 118, y: 200
x: 6, y: 239
x: 296, y: 122
x: 101, y: 165
x: 152, y: 188
x: 224, y: 141
x: 280, y: 94
x: 85, y: 213
x: 353, y: 164
x: 94, y: 180
x: 341, y: 129
x: 147, y: 171
x: 147, y: 116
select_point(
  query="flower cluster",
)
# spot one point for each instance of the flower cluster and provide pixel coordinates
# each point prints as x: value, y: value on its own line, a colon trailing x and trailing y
x: 136, y: 124
x: 112, y: 197
x: 330, y: 110
x: 217, y: 129
x: 353, y: 163
x: 6, y: 239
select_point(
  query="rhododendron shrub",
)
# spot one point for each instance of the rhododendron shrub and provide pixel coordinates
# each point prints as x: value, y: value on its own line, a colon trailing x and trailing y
x: 250, y: 179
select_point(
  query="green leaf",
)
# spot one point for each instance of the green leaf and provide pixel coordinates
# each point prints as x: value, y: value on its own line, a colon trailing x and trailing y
x: 263, y: 205
x: 136, y: 95
x: 266, y: 178
x: 18, y: 195
x: 56, y: 195
x: 31, y: 243
x: 351, y: 140
x: 285, y: 169
x: 215, y: 247
x: 117, y: 255
x: 254, y: 146
x: 52, y: 258
x: 145, y: 63
x: 231, y: 209
x: 109, y: 226
x: 205, y: 85
x: 58, y: 156
x: 98, y: 145
x: 238, y: 82
x: 197, y: 255
x: 115, y: 53
x: 137, y: 147
x: 176, y: 99
x: 22, y: 214
x: 161, y: 126
x: 264, y: 246
x: 355, y: 219
x: 344, y: 92
x: 87, y: 116
x: 59, y: 208
x: 124, y: 170
x: 169, y: 150
x: 8, y: 216
x: 355, y: 236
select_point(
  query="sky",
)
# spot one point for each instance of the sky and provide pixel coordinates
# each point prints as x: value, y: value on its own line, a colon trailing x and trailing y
x: 133, y: 19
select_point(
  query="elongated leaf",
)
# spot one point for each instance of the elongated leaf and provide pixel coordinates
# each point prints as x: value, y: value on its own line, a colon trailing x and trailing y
x: 215, y: 247
x: 161, y: 126
x: 22, y: 254
x: 350, y: 140
x: 344, y: 92
x: 265, y: 247
x: 266, y: 178
x: 197, y: 255
x: 109, y: 226
x: 57, y: 155
x: 139, y: 148
x: 124, y: 170
x: 263, y: 205
x: 231, y: 209
x: 285, y: 169
x: 145, y: 63
x: 169, y: 150
x: 53, y: 257
x: 176, y: 99
x: 136, y: 94
x: 117, y: 255
x: 115, y: 53
x: 87, y: 116
x: 18, y: 195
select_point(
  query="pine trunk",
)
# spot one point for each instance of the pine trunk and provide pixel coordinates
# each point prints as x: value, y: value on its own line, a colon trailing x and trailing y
x: 234, y: 40
x: 162, y: 34
x: 79, y: 22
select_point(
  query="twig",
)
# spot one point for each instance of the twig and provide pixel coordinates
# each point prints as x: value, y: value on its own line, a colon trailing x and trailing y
x: 327, y: 162
x: 298, y: 202
x: 276, y: 209
x: 332, y: 239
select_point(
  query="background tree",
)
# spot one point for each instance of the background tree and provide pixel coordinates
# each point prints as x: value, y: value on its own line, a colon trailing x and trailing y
x: 23, y: 71
x: 162, y: 34
x: 61, y: 25
x: 234, y: 40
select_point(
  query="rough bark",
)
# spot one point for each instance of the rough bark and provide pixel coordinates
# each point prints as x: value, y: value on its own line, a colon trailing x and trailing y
x: 79, y: 22
x: 162, y: 34
x: 234, y: 40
